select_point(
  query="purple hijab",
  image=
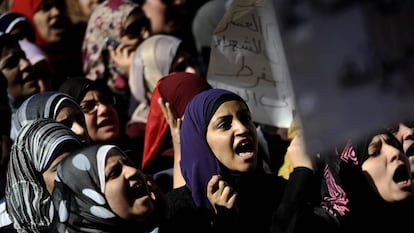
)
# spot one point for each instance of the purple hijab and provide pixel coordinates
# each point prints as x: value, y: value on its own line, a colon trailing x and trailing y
x: 198, y: 162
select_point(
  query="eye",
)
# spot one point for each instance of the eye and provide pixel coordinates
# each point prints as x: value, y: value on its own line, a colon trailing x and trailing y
x: 114, y: 171
x: 11, y: 62
x: 224, y: 124
x: 88, y: 106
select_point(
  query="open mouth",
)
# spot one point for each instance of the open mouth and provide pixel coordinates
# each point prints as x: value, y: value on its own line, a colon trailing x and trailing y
x: 139, y: 190
x: 105, y: 123
x: 244, y: 147
x: 401, y: 175
x: 410, y: 151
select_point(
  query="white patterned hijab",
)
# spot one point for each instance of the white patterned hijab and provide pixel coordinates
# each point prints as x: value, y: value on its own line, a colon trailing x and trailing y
x: 38, y: 144
x: 79, y: 197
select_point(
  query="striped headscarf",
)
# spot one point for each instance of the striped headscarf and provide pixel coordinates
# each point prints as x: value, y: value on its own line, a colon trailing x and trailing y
x: 41, y: 105
x: 38, y: 144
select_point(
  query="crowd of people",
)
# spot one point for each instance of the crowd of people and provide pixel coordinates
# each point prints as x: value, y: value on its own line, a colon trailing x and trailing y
x: 109, y: 124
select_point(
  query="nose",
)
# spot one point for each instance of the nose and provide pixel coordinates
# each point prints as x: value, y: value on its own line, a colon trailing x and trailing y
x: 25, y: 65
x: 407, y: 132
x: 130, y: 171
x: 80, y: 131
x: 54, y: 11
x: 101, y: 108
x: 241, y: 128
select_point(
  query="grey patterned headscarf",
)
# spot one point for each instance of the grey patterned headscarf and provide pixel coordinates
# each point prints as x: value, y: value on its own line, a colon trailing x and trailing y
x: 40, y: 105
x: 35, y: 148
x: 79, y: 197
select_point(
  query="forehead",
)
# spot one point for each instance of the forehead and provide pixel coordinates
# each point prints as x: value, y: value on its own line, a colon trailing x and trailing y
x: 91, y: 94
x: 231, y: 106
x: 9, y: 47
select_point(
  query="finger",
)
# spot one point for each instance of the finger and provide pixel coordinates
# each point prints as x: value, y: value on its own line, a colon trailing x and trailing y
x: 213, y: 184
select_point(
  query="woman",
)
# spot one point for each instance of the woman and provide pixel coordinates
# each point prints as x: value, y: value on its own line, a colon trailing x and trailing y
x: 99, y: 189
x: 155, y: 57
x: 366, y: 185
x: 37, y: 150
x: 111, y: 20
x: 21, y: 83
x: 5, y: 125
x: 98, y: 106
x: 177, y: 89
x: 53, y: 34
x: 225, y: 187
x: 112, y: 23
x: 53, y: 105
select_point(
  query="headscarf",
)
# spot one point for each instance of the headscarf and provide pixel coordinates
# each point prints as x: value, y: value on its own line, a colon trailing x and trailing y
x: 152, y: 61
x: 32, y: 51
x: 198, y: 162
x: 344, y: 179
x: 4, y: 107
x: 35, y: 148
x: 77, y: 87
x: 177, y: 89
x: 40, y: 105
x: 79, y: 195
x: 10, y: 20
x: 28, y: 8
x: 107, y: 20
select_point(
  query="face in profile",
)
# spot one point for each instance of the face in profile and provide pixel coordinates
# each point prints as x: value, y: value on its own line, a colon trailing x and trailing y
x: 388, y: 169
x: 50, y: 173
x: 232, y: 136
x: 101, y: 117
x: 126, y: 189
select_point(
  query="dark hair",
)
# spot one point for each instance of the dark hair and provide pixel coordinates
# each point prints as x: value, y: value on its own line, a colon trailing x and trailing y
x: 140, y: 22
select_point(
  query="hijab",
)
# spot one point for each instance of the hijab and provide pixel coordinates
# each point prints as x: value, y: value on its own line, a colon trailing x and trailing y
x: 11, y: 20
x: 79, y: 195
x: 198, y: 162
x: 36, y: 147
x: 77, y: 87
x: 41, y: 105
x: 106, y: 21
x: 152, y: 61
x: 177, y: 89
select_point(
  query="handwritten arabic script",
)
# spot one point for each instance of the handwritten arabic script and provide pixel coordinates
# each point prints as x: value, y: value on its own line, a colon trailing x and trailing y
x: 247, y: 57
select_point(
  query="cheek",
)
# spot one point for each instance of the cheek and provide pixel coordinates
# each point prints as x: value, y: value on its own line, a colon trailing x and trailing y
x: 115, y: 195
x: 49, y: 178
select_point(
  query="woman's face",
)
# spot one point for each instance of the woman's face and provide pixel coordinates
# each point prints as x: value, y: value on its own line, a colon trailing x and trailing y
x: 101, y: 118
x: 126, y: 189
x: 388, y: 168
x: 50, y: 22
x: 87, y: 6
x: 232, y: 136
x: 74, y: 119
x: 134, y: 33
x: 18, y: 72
x: 405, y: 134
x: 50, y: 173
